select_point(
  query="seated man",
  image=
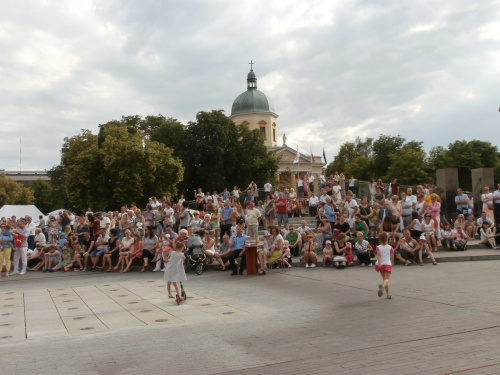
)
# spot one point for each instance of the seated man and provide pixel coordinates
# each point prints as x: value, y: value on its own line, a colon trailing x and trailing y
x: 295, y: 240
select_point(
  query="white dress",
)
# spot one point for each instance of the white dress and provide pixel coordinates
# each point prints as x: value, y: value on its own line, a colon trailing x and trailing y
x: 174, y: 271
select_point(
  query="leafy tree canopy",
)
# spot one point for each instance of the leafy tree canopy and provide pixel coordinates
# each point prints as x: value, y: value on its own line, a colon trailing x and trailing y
x: 12, y: 192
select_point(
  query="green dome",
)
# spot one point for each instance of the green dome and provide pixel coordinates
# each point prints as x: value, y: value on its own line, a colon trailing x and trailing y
x: 252, y: 100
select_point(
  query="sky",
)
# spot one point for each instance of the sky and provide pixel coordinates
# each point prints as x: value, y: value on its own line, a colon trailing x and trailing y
x: 335, y: 70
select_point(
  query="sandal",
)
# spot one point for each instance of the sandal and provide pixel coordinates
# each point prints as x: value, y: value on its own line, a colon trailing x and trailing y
x: 110, y: 269
x: 389, y: 296
x: 219, y: 268
x: 170, y: 296
x: 143, y: 269
x: 434, y: 263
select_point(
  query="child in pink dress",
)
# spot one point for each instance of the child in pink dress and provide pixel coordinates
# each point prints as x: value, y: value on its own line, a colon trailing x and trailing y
x: 348, y: 254
x: 385, y: 260
x: 286, y: 254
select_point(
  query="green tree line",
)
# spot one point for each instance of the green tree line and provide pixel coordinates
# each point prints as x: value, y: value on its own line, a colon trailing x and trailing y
x: 389, y: 157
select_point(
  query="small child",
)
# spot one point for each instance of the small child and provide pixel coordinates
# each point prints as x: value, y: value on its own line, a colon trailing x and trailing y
x: 264, y: 252
x: 233, y: 228
x: 348, y: 254
x: 286, y: 254
x: 64, y: 263
x: 448, y: 240
x: 174, y: 270
x: 62, y: 239
x: 385, y: 260
x: 328, y: 253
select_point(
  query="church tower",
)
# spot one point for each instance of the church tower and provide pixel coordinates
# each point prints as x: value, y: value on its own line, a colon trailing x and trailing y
x: 256, y: 110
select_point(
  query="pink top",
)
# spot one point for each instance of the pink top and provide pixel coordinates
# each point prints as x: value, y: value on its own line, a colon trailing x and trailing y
x: 434, y: 208
x: 286, y: 252
x: 385, y: 254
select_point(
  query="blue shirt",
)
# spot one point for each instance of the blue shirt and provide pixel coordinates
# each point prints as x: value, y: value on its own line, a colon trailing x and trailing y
x: 6, y: 236
x: 239, y: 242
x: 226, y: 212
x: 463, y: 206
x: 330, y: 215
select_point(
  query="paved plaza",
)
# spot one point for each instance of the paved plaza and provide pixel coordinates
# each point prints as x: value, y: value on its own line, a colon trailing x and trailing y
x: 303, y: 321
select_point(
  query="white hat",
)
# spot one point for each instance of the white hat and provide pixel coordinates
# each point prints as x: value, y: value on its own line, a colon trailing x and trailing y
x: 422, y: 237
x: 328, y: 242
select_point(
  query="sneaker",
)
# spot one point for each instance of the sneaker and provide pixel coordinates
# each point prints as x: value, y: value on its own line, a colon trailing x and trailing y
x: 369, y: 264
x: 23, y: 272
x: 84, y: 270
x: 324, y: 265
x: 50, y: 270
x: 76, y: 269
x: 362, y: 264
x: 313, y: 265
x: 407, y: 263
x: 380, y: 290
x: 307, y: 265
x: 15, y: 273
x: 162, y: 270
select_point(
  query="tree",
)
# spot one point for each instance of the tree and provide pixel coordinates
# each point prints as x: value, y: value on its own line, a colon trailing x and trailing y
x: 216, y: 153
x: 406, y: 165
x: 361, y: 168
x: 116, y: 167
x: 347, y: 154
x: 58, y: 198
x: 43, y: 195
x: 12, y: 192
x: 383, y: 148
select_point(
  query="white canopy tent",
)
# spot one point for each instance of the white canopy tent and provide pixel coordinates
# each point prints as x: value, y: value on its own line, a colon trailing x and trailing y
x: 56, y: 212
x: 19, y: 211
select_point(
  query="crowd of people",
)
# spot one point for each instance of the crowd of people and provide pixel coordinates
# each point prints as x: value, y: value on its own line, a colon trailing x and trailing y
x: 218, y: 223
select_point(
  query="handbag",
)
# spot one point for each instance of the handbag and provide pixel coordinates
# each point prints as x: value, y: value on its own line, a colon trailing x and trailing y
x: 339, y: 259
x: 18, y: 241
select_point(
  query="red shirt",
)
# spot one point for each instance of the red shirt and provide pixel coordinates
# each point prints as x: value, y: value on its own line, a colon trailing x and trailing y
x: 282, y: 209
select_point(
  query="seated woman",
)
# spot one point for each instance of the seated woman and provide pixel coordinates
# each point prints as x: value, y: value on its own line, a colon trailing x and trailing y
x: 126, y: 246
x: 113, y: 250
x: 359, y: 225
x: 150, y: 243
x: 470, y: 226
x: 428, y: 229
x: 276, y: 249
x: 415, y: 226
x: 341, y: 226
x: 296, y: 208
x: 328, y: 253
x: 448, y: 237
x: 489, y: 235
x: 324, y: 233
x: 423, y: 250
x: 310, y: 248
x: 209, y: 250
x: 339, y: 251
x: 362, y: 248
x: 136, y: 252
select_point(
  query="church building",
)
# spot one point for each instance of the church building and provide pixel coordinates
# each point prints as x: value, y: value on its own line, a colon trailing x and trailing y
x: 256, y: 110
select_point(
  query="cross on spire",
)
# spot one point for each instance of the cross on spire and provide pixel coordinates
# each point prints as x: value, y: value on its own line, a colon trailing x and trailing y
x: 251, y: 65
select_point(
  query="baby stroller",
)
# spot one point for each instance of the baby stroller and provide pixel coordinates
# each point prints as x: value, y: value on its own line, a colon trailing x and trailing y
x: 195, y: 258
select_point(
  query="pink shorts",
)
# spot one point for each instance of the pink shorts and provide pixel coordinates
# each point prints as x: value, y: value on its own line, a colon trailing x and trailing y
x: 385, y: 267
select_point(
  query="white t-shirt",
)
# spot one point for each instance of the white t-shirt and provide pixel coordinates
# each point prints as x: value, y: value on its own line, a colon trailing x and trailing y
x: 385, y: 254
x: 236, y: 194
x: 313, y: 201
x: 268, y: 187
x: 311, y: 179
x: 322, y: 178
x: 171, y: 218
x: 104, y: 222
x: 300, y: 182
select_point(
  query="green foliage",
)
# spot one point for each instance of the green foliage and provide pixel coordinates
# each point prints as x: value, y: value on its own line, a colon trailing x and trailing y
x: 58, y: 197
x: 216, y: 153
x: 12, y: 192
x: 407, y: 166
x: 383, y: 148
x: 361, y: 168
x: 347, y: 154
x: 43, y: 196
x: 118, y: 166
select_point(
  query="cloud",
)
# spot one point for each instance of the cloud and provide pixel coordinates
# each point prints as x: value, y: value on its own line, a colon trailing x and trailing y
x: 334, y: 70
